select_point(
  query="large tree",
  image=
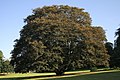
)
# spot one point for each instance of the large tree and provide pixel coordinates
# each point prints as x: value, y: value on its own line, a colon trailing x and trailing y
x: 116, y: 55
x: 1, y: 61
x: 57, y: 37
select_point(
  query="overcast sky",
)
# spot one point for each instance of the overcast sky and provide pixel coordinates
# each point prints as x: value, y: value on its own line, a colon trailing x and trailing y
x: 105, y: 13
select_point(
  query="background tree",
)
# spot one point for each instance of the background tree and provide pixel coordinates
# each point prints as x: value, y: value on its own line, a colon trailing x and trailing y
x: 57, y: 37
x: 5, y: 65
x: 110, y: 51
x: 109, y: 47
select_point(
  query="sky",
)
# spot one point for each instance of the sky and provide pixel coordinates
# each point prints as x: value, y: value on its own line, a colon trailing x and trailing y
x: 104, y: 13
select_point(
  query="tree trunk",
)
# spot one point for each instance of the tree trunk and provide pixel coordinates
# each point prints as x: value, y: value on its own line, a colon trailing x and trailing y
x: 59, y: 72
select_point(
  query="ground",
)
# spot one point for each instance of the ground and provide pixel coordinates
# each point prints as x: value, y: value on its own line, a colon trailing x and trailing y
x: 73, y: 75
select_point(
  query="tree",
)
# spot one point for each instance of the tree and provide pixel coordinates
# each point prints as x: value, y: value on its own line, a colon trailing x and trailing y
x: 109, y: 47
x: 5, y: 64
x: 7, y: 67
x: 57, y: 37
x: 1, y: 55
x: 116, y: 55
x: 110, y: 51
x: 1, y: 61
x: 93, y: 49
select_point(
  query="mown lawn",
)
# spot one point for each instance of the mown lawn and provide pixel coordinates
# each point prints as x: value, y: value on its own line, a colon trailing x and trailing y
x: 20, y: 76
x: 97, y: 76
x: 75, y: 75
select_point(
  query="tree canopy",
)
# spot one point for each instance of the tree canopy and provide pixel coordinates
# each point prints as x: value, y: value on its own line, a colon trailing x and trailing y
x: 56, y: 38
x: 1, y: 55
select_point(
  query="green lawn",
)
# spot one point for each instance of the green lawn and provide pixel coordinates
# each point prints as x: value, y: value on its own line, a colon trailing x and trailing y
x: 20, y: 76
x: 74, y: 75
x: 97, y: 76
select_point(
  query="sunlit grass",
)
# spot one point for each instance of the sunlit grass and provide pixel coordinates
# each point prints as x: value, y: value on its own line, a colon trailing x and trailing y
x: 15, y: 75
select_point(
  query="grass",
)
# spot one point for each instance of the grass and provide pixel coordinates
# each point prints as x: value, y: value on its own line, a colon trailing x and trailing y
x: 20, y: 76
x: 115, y: 75
x: 73, y: 75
